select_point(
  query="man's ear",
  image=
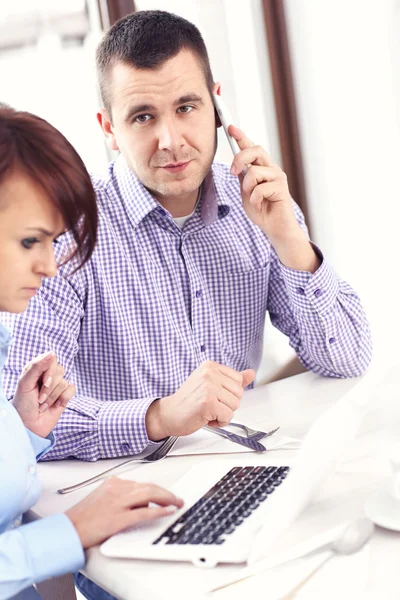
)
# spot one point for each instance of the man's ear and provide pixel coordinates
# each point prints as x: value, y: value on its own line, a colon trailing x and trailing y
x: 217, y: 90
x: 105, y: 124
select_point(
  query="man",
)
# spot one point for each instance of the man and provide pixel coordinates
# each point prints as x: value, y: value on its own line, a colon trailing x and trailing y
x: 162, y: 329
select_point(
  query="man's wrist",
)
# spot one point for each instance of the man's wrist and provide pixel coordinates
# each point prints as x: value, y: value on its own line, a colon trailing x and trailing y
x: 155, y: 427
x: 296, y: 252
x: 290, y: 235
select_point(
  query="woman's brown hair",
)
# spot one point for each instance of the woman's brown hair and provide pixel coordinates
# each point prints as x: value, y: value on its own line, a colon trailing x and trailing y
x: 30, y: 145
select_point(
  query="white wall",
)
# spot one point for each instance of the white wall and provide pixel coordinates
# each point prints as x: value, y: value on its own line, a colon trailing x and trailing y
x: 343, y: 56
x: 55, y: 81
x: 58, y: 84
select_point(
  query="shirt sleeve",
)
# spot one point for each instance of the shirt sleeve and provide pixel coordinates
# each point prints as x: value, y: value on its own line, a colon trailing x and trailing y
x: 92, y: 429
x: 46, y: 548
x: 89, y: 428
x: 322, y: 316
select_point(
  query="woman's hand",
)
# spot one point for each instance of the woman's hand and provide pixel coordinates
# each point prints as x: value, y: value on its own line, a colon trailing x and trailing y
x: 116, y: 505
x: 42, y: 394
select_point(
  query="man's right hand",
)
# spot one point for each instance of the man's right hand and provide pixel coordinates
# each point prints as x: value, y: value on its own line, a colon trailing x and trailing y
x: 209, y: 396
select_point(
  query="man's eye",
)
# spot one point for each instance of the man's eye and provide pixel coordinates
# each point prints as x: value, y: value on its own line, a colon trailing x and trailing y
x: 142, y: 118
x: 185, y: 109
x: 29, y: 242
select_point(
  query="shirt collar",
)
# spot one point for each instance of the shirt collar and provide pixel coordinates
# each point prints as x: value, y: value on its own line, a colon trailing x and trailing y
x: 214, y: 202
x: 136, y: 198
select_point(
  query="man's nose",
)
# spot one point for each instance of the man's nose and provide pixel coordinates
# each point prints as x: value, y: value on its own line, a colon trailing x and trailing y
x: 169, y: 136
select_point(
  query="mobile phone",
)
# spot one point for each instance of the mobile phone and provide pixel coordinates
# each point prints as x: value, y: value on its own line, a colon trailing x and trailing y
x: 226, y: 120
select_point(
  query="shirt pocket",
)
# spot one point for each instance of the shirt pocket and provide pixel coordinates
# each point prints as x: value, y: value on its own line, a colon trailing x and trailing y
x: 241, y: 301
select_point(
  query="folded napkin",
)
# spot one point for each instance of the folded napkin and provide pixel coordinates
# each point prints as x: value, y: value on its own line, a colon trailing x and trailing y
x: 206, y: 442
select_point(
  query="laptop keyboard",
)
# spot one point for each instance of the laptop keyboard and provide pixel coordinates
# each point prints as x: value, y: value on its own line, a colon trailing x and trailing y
x: 225, y: 506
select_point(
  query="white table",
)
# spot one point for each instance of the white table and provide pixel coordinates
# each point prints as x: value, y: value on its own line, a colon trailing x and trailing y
x: 293, y: 403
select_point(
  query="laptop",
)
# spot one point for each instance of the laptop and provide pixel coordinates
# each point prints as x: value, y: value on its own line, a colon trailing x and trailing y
x: 233, y: 512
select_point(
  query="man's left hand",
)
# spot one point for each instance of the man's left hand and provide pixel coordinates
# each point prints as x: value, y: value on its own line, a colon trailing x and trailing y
x: 267, y: 202
x: 265, y: 192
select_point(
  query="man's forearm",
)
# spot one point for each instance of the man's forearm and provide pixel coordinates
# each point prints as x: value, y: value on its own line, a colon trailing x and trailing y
x: 91, y: 429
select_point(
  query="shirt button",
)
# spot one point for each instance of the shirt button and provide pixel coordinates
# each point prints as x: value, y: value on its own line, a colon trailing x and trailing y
x: 332, y: 340
x: 318, y: 293
x: 3, y: 412
x: 17, y: 523
x: 199, y: 294
x: 32, y: 469
x: 202, y: 348
x: 300, y: 290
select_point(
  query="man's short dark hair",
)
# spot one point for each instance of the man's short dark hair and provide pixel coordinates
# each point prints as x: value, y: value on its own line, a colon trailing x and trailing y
x: 146, y: 40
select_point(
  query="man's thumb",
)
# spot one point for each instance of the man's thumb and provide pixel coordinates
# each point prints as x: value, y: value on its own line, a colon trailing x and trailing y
x: 247, y: 377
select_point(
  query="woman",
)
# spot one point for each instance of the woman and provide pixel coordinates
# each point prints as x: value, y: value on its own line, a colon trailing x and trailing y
x: 44, y: 191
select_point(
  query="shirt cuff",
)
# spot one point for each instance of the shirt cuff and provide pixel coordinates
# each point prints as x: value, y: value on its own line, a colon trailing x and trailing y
x: 40, y: 445
x: 53, y: 546
x: 312, y: 292
x: 122, y: 427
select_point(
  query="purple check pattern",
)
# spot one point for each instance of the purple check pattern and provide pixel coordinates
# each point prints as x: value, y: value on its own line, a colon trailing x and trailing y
x: 155, y: 301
